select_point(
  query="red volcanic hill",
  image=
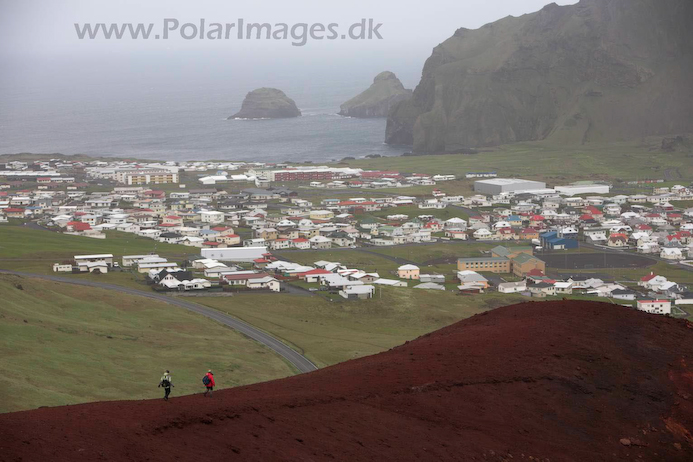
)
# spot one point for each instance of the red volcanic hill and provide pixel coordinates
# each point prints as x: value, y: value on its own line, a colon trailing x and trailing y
x: 538, y: 381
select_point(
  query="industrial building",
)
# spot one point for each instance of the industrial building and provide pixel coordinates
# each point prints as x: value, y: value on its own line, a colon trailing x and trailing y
x: 507, y: 185
x: 235, y: 254
x: 576, y: 189
x: 553, y: 240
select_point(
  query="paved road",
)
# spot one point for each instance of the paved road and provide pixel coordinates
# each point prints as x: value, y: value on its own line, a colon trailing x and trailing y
x: 299, y: 361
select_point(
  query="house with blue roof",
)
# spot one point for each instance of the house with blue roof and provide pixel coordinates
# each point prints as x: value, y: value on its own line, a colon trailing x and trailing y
x: 554, y: 241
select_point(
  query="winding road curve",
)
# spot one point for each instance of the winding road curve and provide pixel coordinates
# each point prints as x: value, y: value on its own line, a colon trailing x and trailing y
x: 299, y: 361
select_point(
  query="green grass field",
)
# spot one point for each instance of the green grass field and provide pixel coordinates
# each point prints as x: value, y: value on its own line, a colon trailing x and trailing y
x: 331, y: 332
x: 35, y: 251
x: 62, y: 344
x: 23, y: 242
x: 554, y: 163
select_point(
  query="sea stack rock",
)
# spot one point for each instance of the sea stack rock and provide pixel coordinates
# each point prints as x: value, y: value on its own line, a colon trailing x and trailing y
x: 385, y: 92
x: 267, y: 103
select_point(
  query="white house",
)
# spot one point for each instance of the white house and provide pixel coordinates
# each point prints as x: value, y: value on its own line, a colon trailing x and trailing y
x: 671, y: 253
x: 357, y: 292
x: 564, y: 287
x: 211, y: 216
x: 130, y: 260
x: 390, y: 282
x: 267, y: 282
x: 482, y: 234
x: 235, y: 254
x: 655, y: 306
x: 61, y: 268
x: 512, y: 287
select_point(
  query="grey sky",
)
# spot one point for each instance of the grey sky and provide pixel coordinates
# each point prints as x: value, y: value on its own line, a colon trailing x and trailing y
x: 39, y: 46
x: 40, y: 28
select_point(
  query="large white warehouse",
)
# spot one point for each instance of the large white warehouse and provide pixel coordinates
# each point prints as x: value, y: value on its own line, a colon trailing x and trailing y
x: 572, y: 190
x: 235, y: 254
x: 501, y: 185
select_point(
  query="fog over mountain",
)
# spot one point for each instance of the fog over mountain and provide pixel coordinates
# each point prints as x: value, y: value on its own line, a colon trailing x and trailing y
x: 601, y: 70
x: 163, y: 98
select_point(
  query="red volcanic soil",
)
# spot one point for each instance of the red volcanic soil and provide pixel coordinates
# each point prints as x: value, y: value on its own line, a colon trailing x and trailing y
x: 546, y: 381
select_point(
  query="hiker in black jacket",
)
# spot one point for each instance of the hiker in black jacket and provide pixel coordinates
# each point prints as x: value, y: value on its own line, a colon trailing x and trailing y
x: 167, y: 383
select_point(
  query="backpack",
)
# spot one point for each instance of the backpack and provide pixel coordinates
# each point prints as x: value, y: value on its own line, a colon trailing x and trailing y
x: 206, y: 380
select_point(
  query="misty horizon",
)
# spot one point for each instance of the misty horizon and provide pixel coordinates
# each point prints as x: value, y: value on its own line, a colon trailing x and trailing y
x: 63, y: 94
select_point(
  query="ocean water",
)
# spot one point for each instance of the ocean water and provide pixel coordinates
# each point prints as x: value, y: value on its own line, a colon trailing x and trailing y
x: 155, y: 117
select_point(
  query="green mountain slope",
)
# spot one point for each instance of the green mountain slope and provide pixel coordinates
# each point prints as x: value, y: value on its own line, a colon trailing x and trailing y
x: 600, y: 70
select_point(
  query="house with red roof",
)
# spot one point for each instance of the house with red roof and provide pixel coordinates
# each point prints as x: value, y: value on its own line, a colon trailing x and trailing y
x: 229, y: 239
x: 528, y: 234
x: 617, y: 240
x: 14, y: 212
x: 674, y: 218
x: 172, y: 219
x: 280, y: 243
x: 536, y: 220
x: 301, y: 243
x: 594, y: 211
x: 434, y: 226
x: 77, y: 226
x: 313, y: 275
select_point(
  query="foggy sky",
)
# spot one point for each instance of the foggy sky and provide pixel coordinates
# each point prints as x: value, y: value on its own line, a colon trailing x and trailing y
x: 39, y: 47
x: 44, y: 29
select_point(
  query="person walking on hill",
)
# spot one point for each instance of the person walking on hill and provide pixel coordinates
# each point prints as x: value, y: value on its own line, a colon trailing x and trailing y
x: 208, y: 381
x: 167, y: 383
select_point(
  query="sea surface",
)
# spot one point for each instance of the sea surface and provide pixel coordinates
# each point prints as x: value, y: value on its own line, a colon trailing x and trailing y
x: 183, y: 118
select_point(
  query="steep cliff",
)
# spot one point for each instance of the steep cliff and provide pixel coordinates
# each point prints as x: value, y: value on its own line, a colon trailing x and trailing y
x: 378, y: 99
x: 599, y: 70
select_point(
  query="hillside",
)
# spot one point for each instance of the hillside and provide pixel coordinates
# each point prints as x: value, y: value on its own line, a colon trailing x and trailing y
x: 600, y: 70
x: 385, y: 92
x: 537, y: 381
x: 65, y: 344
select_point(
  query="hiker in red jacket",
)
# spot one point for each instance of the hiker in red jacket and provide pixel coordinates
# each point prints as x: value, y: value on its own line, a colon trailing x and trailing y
x: 208, y: 380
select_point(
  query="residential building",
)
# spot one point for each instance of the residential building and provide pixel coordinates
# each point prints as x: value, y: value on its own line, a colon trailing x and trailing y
x: 512, y: 287
x: 655, y: 306
x: 146, y: 176
x: 484, y: 264
x: 408, y: 272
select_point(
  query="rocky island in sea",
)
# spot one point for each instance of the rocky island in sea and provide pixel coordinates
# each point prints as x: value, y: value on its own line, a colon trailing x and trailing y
x: 267, y: 103
x: 377, y: 100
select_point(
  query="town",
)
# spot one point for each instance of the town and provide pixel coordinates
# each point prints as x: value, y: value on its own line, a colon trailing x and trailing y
x: 247, y: 225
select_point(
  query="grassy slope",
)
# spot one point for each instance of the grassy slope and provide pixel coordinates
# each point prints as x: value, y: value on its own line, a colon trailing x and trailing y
x: 62, y: 354
x: 331, y: 332
x: 34, y: 250
x: 22, y: 242
x: 553, y: 162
